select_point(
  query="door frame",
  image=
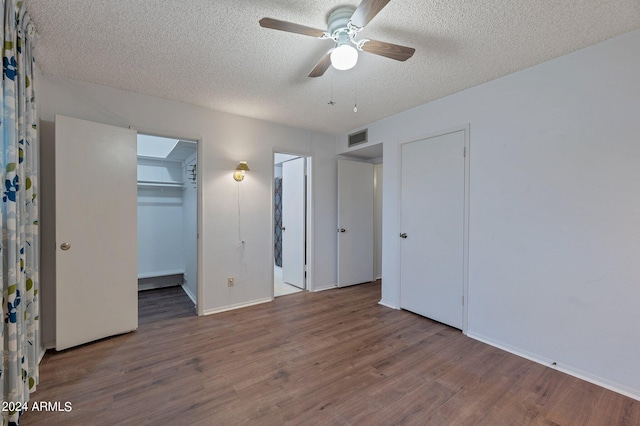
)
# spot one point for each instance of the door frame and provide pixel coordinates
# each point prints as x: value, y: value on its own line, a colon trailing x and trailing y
x: 465, y: 258
x: 340, y: 216
x: 199, y: 245
x: 309, y: 224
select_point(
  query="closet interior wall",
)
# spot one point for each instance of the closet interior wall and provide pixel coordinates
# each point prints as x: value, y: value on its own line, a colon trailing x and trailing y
x: 167, y: 221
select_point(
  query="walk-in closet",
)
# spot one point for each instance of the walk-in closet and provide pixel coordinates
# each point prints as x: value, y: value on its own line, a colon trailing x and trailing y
x: 167, y: 214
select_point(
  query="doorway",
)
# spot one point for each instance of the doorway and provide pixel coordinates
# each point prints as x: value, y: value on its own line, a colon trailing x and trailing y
x: 289, y: 224
x: 360, y: 215
x: 167, y: 176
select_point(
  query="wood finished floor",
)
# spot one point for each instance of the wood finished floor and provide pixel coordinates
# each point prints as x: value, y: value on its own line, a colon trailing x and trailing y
x: 331, y: 358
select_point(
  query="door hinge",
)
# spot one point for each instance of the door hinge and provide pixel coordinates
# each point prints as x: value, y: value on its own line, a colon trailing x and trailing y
x: 463, y: 300
x: 464, y: 154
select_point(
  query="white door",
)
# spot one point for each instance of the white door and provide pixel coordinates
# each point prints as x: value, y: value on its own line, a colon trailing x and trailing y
x: 96, y: 243
x: 432, y: 251
x: 293, y: 221
x: 355, y: 222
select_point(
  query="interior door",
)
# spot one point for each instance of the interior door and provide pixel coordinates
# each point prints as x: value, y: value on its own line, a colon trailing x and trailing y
x: 96, y: 243
x: 355, y: 222
x: 432, y: 226
x: 293, y: 221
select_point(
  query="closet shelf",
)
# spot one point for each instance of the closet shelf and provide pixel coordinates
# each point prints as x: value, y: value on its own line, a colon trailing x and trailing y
x: 160, y: 184
x: 160, y: 273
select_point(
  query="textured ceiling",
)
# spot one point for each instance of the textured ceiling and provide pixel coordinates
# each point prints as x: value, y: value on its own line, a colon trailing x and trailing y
x: 213, y: 53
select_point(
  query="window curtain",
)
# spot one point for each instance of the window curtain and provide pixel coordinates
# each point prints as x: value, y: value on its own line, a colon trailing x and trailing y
x: 20, y: 332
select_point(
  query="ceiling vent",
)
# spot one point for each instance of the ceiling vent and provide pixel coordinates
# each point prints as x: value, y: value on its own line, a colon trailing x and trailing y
x: 357, y: 138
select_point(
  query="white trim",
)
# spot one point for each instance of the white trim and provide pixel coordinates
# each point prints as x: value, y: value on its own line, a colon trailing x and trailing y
x: 465, y: 244
x: 237, y: 306
x: 310, y: 226
x: 388, y: 305
x: 572, y: 371
x: 43, y: 350
x: 324, y: 287
x: 188, y: 292
x: 199, y: 228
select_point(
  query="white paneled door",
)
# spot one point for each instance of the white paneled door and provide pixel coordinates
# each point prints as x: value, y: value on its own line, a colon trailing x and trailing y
x: 432, y: 227
x: 96, y: 243
x: 293, y: 222
x: 355, y: 222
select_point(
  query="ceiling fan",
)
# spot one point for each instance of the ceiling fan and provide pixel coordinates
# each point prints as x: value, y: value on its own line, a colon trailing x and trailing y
x: 344, y: 24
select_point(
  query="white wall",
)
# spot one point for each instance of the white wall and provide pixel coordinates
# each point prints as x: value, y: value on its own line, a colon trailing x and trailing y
x: 554, y: 249
x: 160, y: 219
x: 160, y: 231
x: 225, y: 140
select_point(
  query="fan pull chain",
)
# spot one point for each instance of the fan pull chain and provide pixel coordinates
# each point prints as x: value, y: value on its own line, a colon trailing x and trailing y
x: 355, y: 97
x: 331, y: 100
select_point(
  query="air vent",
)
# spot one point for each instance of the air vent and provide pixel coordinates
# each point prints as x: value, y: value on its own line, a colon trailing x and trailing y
x: 357, y: 138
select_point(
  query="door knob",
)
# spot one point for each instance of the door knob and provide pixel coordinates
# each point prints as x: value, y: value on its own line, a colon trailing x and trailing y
x: 65, y: 246
x: 283, y: 228
x: 403, y: 235
x: 342, y: 230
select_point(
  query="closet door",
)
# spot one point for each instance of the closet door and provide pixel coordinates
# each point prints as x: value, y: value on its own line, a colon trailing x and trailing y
x: 433, y: 228
x: 96, y: 244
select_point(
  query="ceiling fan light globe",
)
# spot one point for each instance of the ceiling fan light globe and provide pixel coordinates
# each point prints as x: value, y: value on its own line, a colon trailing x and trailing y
x: 344, y: 57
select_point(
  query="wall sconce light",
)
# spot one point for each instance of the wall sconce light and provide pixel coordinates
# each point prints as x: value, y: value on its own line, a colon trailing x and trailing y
x: 238, y: 175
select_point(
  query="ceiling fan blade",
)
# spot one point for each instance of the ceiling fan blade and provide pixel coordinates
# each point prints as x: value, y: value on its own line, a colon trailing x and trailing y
x: 389, y: 50
x: 366, y: 11
x: 322, y: 65
x: 290, y: 27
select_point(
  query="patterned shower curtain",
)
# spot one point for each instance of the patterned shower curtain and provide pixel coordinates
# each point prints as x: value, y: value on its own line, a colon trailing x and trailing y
x: 277, y: 221
x: 20, y: 332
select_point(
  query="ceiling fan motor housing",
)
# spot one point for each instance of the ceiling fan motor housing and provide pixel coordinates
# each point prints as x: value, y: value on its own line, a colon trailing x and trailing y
x: 338, y: 19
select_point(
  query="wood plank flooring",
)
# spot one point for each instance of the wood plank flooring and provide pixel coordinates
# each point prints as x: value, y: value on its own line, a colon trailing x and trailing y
x: 331, y: 358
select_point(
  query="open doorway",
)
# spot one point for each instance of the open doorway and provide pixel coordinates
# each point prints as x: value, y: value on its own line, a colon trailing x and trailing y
x: 289, y: 224
x: 360, y: 215
x: 167, y: 222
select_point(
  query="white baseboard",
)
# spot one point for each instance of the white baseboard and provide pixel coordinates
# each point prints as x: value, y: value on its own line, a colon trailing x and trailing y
x: 325, y: 287
x: 570, y: 370
x: 161, y: 281
x: 236, y: 306
x: 383, y: 303
x: 188, y: 292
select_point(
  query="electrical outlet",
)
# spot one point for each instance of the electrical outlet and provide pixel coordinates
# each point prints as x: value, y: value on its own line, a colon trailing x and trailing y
x: 230, y: 281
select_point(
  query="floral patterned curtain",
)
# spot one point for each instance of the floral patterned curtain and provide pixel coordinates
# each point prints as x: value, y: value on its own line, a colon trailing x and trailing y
x: 19, y: 333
